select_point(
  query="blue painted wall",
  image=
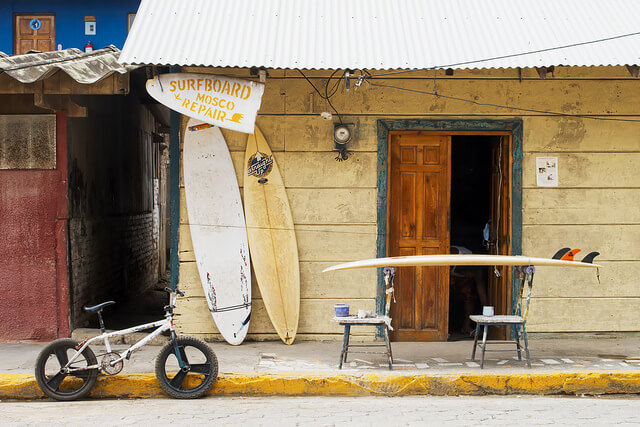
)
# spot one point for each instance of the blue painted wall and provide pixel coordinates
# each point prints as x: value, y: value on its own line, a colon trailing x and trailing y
x: 111, y: 19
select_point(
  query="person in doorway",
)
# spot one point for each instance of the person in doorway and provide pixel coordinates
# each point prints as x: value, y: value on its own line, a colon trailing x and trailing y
x: 468, y: 285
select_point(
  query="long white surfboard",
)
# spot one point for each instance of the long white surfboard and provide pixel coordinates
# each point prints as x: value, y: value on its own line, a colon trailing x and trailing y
x: 426, y: 260
x: 218, y: 231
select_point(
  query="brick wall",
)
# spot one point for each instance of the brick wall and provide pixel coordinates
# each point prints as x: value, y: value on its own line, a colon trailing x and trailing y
x: 111, y: 258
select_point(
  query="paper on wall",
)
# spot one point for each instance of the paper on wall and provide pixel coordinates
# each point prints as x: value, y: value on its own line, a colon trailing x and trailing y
x: 547, y: 171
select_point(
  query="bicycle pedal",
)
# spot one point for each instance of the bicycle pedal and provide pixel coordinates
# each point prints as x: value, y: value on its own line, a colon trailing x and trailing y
x: 128, y: 356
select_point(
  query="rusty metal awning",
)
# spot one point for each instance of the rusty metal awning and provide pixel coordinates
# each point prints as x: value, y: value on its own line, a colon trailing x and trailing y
x: 83, y: 67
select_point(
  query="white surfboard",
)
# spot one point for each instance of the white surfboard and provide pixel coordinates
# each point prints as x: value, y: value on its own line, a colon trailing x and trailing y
x: 218, y: 231
x: 425, y: 260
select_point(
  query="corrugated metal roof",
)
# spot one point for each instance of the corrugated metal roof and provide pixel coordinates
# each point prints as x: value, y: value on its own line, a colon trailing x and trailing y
x: 83, y: 67
x: 384, y: 34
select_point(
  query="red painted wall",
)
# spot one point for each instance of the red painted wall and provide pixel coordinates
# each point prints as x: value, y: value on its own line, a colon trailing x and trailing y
x: 34, y: 283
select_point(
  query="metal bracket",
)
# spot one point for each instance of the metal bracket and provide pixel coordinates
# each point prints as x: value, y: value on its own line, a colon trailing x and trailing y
x: 59, y: 102
x: 260, y: 72
x: 542, y: 71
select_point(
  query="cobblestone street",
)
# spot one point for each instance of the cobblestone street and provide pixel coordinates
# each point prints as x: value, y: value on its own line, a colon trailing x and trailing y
x: 328, y: 411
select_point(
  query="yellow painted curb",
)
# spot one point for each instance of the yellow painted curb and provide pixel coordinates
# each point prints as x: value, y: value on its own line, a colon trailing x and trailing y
x: 20, y: 386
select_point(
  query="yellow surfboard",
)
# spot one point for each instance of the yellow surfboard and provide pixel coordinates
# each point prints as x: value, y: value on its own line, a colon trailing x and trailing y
x: 272, y: 240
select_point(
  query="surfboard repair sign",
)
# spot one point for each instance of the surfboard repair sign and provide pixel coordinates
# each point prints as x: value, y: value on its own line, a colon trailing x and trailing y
x: 222, y: 101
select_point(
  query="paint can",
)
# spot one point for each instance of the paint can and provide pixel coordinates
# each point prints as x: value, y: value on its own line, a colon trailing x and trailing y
x: 342, y: 310
x: 487, y: 310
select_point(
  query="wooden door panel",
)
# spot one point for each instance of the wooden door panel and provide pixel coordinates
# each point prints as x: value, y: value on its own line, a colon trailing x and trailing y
x: 407, y: 211
x: 406, y: 278
x: 26, y: 45
x: 430, y: 208
x: 24, y: 29
x: 418, y: 211
x: 44, y: 45
x: 46, y: 29
x: 429, y: 290
x: 408, y: 156
x: 431, y: 156
x: 434, y: 282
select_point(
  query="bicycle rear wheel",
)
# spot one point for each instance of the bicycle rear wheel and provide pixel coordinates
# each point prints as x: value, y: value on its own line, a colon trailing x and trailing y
x: 198, y: 374
x: 61, y: 385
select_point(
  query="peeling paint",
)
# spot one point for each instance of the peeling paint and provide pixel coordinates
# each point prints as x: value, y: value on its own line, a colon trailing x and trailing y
x: 570, y: 132
x: 20, y: 386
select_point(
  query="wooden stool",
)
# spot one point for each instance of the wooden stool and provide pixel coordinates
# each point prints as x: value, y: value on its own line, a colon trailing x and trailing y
x: 379, y: 320
x: 349, y: 321
x: 517, y: 321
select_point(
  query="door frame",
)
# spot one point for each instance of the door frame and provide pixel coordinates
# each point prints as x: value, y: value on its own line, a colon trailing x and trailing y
x: 477, y: 126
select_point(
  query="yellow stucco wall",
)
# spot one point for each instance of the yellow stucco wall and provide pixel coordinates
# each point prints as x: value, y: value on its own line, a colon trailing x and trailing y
x: 595, y: 207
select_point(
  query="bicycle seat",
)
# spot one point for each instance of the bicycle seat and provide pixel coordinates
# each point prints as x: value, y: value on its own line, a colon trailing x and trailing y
x: 98, y: 307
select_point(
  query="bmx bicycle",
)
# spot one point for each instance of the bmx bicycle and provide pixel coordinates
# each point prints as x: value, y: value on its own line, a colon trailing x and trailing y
x: 186, y: 367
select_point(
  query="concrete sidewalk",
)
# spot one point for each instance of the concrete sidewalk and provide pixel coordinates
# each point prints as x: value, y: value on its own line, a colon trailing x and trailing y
x: 560, y: 366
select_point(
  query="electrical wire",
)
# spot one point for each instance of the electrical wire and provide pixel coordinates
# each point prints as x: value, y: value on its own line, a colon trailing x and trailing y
x: 508, y: 107
x: 334, y: 89
x: 325, y: 97
x: 513, y: 55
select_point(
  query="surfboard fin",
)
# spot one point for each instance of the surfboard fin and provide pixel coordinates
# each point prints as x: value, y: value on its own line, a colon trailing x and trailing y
x: 247, y: 319
x: 199, y: 127
x: 569, y: 255
x: 590, y: 257
x: 561, y: 253
x: 288, y: 339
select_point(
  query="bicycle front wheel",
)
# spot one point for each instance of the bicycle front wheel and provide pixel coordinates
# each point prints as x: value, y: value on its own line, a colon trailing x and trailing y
x: 198, y: 372
x: 58, y: 383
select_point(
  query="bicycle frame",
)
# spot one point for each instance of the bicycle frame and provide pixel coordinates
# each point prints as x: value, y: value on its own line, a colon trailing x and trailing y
x: 162, y: 325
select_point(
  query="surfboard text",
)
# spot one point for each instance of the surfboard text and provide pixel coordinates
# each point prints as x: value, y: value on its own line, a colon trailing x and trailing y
x: 236, y: 90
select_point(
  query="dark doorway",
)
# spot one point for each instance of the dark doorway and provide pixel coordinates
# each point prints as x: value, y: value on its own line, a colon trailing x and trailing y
x: 471, y: 199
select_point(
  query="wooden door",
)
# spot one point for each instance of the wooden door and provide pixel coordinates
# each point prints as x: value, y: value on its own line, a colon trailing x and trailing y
x: 499, y: 231
x: 34, y: 32
x: 418, y: 224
